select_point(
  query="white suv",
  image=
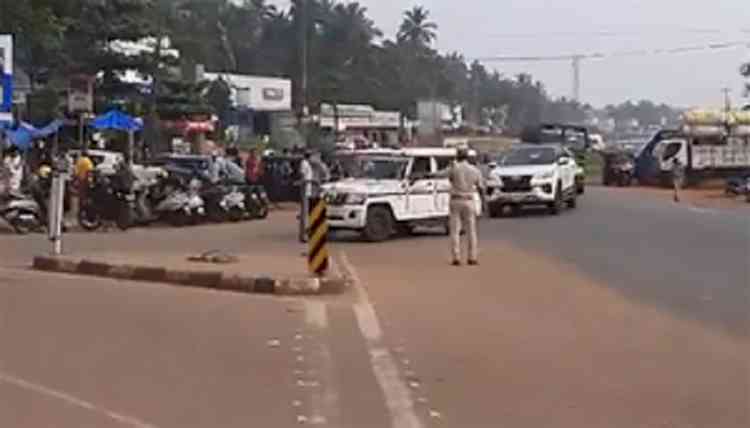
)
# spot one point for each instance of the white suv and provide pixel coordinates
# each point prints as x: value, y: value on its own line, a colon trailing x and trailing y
x: 390, y: 191
x: 533, y: 174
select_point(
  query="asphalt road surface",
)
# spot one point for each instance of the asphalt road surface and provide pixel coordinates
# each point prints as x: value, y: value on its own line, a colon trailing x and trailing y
x: 627, y: 312
x: 693, y: 262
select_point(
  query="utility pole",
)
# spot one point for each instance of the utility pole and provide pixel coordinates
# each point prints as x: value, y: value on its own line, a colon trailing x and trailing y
x: 727, y: 99
x: 302, y: 17
x: 577, y: 77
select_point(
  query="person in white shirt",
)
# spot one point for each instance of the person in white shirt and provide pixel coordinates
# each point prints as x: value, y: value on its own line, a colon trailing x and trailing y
x: 14, y: 166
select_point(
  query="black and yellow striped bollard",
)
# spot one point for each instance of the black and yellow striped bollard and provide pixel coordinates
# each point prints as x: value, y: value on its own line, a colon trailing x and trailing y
x: 317, y: 257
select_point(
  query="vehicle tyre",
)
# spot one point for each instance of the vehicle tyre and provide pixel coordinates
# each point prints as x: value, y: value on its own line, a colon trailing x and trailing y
x: 496, y: 211
x: 89, y: 219
x: 218, y: 215
x: 557, y: 206
x: 262, y: 211
x: 581, y: 188
x: 573, y: 202
x: 447, y: 226
x: 178, y: 219
x: 236, y: 214
x: 379, y: 224
x: 21, y: 227
x: 124, y: 219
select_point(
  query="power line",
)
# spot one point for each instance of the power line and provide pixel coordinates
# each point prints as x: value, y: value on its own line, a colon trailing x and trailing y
x: 601, y: 55
x: 577, y: 58
x: 609, y: 33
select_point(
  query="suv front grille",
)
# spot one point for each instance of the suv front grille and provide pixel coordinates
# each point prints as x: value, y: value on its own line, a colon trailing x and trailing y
x: 516, y: 183
x: 336, y: 199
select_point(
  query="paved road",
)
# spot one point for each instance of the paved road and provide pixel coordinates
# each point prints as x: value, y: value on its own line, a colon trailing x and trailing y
x: 621, y: 329
x: 693, y: 262
x: 627, y: 312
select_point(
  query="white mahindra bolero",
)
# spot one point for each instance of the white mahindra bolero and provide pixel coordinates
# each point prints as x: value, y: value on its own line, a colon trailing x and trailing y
x: 390, y: 191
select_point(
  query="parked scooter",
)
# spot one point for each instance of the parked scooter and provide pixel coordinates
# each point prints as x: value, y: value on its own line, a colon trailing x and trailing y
x: 107, y: 199
x: 258, y: 203
x: 21, y: 212
x: 183, y: 205
x: 224, y: 203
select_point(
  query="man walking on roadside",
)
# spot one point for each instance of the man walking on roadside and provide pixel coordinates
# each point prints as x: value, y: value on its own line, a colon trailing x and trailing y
x: 678, y: 177
x: 465, y: 180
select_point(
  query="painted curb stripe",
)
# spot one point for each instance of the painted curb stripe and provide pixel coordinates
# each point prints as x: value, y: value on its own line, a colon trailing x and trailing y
x: 320, y: 262
x: 212, y: 280
x: 317, y: 260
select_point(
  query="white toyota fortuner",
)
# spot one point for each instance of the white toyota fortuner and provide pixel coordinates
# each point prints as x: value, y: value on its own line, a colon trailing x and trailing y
x: 533, y: 174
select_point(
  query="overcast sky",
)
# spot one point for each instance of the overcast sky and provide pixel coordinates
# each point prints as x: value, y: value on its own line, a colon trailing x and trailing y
x: 486, y: 28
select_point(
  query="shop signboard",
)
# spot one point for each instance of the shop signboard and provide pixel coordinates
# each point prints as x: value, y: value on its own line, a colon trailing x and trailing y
x: 6, y: 73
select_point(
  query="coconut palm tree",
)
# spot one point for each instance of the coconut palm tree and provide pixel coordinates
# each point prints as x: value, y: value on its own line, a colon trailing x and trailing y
x: 416, y: 28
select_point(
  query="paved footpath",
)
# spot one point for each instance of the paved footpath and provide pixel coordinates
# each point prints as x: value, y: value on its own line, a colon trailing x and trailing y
x: 529, y: 339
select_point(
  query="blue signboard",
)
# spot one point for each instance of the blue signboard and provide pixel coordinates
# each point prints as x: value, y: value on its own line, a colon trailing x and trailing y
x: 6, y: 73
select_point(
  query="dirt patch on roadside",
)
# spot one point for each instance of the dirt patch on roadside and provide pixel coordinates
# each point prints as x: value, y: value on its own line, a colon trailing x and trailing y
x: 707, y: 196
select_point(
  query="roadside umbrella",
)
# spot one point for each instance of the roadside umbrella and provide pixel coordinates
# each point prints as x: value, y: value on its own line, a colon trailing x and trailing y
x: 116, y: 120
x: 119, y: 121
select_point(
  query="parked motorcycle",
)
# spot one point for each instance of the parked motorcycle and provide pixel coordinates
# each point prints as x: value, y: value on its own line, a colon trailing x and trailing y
x: 183, y: 205
x: 224, y: 203
x: 258, y: 203
x: 106, y: 199
x: 21, y: 212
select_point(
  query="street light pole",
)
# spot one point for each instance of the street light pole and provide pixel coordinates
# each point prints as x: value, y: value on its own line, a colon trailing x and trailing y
x: 727, y: 99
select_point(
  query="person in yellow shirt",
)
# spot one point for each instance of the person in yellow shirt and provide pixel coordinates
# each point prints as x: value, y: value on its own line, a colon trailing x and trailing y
x: 83, y: 168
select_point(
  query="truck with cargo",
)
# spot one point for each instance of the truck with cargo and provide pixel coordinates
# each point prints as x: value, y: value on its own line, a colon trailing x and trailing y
x: 708, y: 145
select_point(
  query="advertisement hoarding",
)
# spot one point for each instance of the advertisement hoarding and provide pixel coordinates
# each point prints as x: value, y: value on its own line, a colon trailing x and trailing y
x: 257, y: 93
x: 6, y: 73
x: 81, y: 94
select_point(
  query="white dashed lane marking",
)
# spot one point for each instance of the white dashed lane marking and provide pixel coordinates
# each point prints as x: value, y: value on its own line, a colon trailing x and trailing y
x: 397, y: 395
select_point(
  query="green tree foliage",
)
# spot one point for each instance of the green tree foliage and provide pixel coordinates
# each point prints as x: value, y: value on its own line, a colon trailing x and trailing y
x: 39, y: 36
x: 349, y: 60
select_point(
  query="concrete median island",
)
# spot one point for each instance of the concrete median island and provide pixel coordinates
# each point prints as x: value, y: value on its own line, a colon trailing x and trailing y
x: 169, y: 270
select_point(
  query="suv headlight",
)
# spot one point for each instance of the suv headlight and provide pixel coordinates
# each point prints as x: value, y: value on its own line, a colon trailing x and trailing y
x: 355, y: 199
x: 545, y: 176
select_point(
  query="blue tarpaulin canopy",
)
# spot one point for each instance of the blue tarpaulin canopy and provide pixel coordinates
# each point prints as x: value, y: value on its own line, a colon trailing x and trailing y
x: 24, y: 135
x: 116, y: 120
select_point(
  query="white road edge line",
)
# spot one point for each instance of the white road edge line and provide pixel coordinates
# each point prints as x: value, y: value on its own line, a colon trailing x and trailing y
x: 324, y: 400
x: 397, y: 395
x: 43, y: 390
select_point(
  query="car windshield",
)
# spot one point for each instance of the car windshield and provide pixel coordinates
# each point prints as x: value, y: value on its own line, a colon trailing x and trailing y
x: 529, y: 156
x: 377, y: 168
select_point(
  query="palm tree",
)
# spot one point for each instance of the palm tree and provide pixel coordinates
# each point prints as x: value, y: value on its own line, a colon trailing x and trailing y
x: 416, y: 28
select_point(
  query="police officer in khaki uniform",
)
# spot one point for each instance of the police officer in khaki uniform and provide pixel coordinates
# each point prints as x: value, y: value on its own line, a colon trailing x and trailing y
x: 466, y: 180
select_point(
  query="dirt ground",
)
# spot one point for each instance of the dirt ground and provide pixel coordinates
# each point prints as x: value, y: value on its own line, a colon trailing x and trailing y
x: 708, y: 195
